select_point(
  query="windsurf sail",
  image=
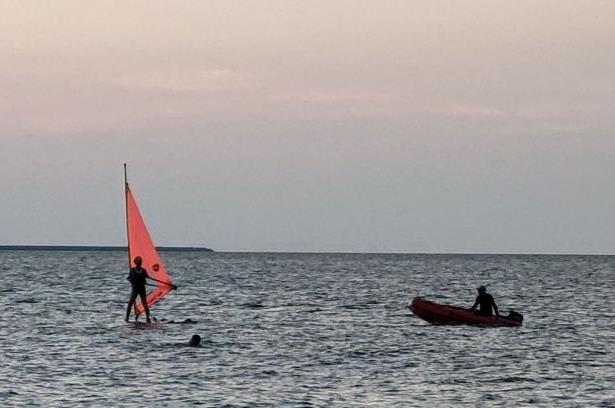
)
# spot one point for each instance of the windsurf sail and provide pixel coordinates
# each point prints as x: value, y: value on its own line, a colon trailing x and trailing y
x: 140, y: 244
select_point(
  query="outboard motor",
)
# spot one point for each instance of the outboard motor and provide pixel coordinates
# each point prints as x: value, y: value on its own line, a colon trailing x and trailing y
x: 512, y: 315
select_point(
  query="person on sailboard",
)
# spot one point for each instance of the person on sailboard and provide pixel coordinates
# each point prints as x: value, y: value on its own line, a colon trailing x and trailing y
x: 485, y: 303
x: 137, y: 278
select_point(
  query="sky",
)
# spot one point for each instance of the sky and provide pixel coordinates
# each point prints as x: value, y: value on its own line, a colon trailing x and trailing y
x: 322, y: 126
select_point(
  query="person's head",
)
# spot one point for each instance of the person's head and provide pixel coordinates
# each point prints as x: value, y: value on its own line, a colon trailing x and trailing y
x: 138, y: 261
x: 195, y: 340
x: 481, y: 289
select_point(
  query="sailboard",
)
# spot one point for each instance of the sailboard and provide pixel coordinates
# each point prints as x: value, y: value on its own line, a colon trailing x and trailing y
x: 140, y: 244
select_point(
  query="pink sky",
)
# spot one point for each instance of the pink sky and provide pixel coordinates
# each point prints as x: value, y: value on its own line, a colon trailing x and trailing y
x: 478, y: 126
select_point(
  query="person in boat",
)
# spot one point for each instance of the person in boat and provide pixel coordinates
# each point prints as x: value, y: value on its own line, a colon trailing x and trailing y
x: 137, y: 277
x: 486, y: 304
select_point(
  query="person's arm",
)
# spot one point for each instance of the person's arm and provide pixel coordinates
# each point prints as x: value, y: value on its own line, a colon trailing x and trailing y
x: 129, y: 277
x: 475, y: 304
x: 495, y: 307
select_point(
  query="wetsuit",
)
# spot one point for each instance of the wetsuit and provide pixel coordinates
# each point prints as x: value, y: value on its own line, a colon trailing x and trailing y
x: 486, y: 304
x: 137, y: 277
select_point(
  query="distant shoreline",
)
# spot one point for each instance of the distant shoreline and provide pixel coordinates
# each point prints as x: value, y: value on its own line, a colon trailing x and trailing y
x: 93, y: 248
x: 110, y: 248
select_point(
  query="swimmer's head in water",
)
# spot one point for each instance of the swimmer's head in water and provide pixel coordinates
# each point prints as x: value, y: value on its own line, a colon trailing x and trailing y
x: 138, y: 260
x: 195, y: 340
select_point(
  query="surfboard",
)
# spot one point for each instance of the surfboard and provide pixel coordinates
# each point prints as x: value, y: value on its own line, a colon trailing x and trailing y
x: 140, y: 244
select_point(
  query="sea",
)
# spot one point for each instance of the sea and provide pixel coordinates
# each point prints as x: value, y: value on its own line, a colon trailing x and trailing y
x: 306, y: 330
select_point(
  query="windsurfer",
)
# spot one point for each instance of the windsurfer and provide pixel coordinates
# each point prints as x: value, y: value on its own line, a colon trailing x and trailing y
x: 137, y: 278
x: 485, y: 302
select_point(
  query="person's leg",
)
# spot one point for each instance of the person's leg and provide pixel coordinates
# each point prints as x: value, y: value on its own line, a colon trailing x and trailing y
x: 131, y: 302
x: 145, y: 307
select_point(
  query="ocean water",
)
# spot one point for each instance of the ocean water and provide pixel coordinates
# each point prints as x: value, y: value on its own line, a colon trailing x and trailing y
x: 306, y: 330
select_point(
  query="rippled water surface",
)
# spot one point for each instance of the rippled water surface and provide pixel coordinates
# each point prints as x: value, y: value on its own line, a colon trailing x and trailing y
x: 306, y: 330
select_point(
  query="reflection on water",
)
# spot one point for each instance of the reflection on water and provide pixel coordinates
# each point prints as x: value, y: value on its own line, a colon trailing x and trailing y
x: 306, y: 330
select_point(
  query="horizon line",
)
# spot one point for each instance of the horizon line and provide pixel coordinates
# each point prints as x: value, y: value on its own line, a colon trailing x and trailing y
x: 207, y: 249
x: 96, y: 248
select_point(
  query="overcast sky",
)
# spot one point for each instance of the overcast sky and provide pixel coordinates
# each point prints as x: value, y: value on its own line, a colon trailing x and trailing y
x: 382, y: 126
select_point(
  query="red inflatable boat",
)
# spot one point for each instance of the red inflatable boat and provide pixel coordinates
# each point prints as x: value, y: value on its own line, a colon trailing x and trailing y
x: 445, y: 314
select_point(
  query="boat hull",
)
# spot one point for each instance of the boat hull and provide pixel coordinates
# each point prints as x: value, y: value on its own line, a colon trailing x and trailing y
x: 451, y: 315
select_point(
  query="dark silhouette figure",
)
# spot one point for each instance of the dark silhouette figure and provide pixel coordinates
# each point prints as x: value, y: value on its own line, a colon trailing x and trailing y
x: 485, y: 302
x: 137, y: 277
x: 195, y: 340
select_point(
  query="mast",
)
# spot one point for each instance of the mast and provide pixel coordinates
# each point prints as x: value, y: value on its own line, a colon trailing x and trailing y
x: 126, y: 209
x: 126, y: 189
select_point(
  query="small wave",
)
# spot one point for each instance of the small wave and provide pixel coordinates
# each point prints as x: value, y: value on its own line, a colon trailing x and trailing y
x: 26, y: 301
x: 393, y: 352
x: 268, y: 373
x: 335, y: 361
x: 353, y: 307
x: 291, y: 304
x: 8, y: 393
x: 253, y: 305
x: 512, y: 380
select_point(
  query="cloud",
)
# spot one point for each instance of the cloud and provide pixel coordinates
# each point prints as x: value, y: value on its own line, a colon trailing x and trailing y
x: 329, y: 103
x: 196, y: 81
x: 476, y: 111
x: 330, y: 97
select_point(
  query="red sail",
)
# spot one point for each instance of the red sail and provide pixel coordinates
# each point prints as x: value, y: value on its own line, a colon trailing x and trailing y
x: 140, y: 244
